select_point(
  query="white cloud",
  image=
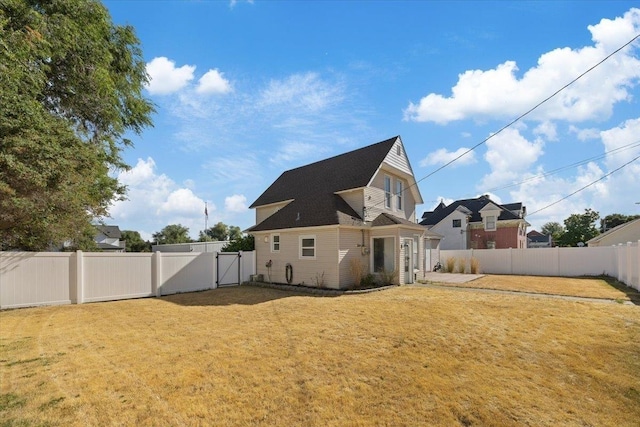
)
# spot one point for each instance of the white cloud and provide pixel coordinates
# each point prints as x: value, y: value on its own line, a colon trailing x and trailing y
x: 155, y: 201
x: 442, y: 156
x: 585, y: 134
x: 292, y: 151
x: 509, y: 156
x: 165, y: 78
x: 304, y: 91
x: 235, y: 203
x: 213, y: 82
x: 547, y: 130
x: 498, y: 93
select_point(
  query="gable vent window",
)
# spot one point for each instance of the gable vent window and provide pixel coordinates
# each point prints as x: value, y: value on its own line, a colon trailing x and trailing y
x: 457, y: 223
x: 387, y: 192
x: 399, y: 150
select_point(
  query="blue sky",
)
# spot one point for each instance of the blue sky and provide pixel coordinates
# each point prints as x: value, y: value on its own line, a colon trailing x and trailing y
x: 247, y: 90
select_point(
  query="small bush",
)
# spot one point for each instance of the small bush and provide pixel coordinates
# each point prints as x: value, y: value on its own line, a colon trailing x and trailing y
x: 367, y: 281
x: 461, y: 265
x: 318, y: 281
x: 388, y: 277
x: 474, y: 265
x: 449, y: 265
x: 356, y: 267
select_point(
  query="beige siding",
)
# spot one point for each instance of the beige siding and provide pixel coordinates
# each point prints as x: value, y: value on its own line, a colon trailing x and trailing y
x: 400, y: 162
x: 305, y: 271
x: 355, y: 199
x: 374, y: 198
x: 264, y: 212
x: 351, y: 249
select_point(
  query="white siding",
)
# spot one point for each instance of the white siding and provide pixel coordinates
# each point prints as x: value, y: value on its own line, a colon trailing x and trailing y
x: 374, y: 198
x: 355, y: 199
x: 454, y: 238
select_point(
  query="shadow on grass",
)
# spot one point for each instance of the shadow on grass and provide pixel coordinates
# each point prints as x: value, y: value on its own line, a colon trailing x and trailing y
x: 236, y: 295
x: 632, y: 294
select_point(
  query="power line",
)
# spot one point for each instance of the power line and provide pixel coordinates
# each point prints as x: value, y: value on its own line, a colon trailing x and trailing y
x: 521, y: 116
x: 554, y: 171
x: 586, y: 186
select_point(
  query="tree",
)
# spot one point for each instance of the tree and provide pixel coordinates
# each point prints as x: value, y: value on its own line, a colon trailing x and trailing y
x: 614, y: 220
x: 553, y: 229
x: 174, y: 233
x: 579, y: 228
x: 219, y: 232
x: 71, y: 88
x: 243, y: 243
x: 235, y: 233
x: 134, y: 242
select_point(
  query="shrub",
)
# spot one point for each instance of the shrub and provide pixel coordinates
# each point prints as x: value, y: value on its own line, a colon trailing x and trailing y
x: 474, y: 265
x: 461, y: 265
x: 387, y: 277
x: 318, y: 281
x: 449, y: 265
x: 356, y: 267
x: 367, y: 281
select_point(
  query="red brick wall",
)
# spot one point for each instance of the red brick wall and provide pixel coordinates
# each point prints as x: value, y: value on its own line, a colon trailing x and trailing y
x: 505, y: 237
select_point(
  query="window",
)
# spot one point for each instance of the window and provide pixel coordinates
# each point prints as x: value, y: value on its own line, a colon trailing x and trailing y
x: 308, y: 247
x: 399, y: 150
x: 387, y: 192
x: 275, y: 243
x: 490, y: 222
x: 457, y: 223
x: 399, y: 195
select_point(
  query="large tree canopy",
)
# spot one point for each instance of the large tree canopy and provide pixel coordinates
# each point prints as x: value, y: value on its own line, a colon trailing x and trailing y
x: 72, y: 86
x: 579, y: 228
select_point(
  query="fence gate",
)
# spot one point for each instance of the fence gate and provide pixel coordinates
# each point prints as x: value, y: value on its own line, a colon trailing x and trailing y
x: 227, y: 268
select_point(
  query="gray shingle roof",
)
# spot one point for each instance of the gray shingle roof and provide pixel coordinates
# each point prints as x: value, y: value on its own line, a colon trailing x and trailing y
x: 474, y: 205
x: 343, y: 172
x: 312, y: 189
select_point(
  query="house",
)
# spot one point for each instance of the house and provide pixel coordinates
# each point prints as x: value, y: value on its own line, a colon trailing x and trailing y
x: 321, y: 223
x: 535, y: 239
x: 108, y: 238
x: 620, y: 235
x: 478, y: 223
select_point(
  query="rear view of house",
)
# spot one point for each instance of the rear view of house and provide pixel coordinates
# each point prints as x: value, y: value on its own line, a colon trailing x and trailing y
x: 321, y: 223
x: 478, y: 223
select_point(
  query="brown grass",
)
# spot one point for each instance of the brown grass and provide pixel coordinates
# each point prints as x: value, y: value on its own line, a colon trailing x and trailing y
x: 255, y: 356
x: 587, y: 287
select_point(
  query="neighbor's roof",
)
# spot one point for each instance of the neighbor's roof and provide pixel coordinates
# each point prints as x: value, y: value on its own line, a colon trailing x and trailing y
x: 343, y: 172
x: 112, y: 231
x: 620, y: 229
x: 475, y: 206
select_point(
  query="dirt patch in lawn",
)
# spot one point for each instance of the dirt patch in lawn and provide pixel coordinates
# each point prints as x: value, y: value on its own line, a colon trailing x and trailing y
x: 585, y: 287
x: 255, y: 356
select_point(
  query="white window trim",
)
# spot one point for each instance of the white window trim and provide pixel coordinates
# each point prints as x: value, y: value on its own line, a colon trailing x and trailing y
x: 399, y: 195
x: 495, y: 223
x: 273, y: 242
x: 388, y: 203
x: 315, y: 246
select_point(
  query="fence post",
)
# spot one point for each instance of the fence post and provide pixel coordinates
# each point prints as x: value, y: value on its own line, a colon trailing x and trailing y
x: 79, y: 278
x: 156, y: 273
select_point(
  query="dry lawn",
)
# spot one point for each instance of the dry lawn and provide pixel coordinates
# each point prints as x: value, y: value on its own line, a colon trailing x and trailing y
x: 587, y: 287
x: 244, y: 356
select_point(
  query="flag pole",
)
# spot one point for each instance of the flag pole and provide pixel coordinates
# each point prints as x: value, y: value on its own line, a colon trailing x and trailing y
x: 206, y: 217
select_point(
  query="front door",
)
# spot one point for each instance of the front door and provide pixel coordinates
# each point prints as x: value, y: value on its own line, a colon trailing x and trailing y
x: 408, y: 261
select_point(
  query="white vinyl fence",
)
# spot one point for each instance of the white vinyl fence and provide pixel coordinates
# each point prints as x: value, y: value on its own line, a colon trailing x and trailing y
x: 49, y: 278
x: 621, y: 262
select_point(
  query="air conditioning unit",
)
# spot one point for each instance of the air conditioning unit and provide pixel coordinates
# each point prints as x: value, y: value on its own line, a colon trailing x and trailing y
x: 256, y: 278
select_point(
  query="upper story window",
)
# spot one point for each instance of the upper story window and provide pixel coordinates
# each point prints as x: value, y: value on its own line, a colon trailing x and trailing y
x: 387, y: 192
x: 275, y: 243
x: 457, y: 223
x: 308, y: 247
x: 399, y: 195
x: 490, y: 222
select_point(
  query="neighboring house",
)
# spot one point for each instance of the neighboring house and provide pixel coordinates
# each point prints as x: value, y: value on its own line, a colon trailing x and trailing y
x: 535, y: 239
x: 108, y: 238
x: 478, y: 224
x: 352, y: 211
x: 620, y: 235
